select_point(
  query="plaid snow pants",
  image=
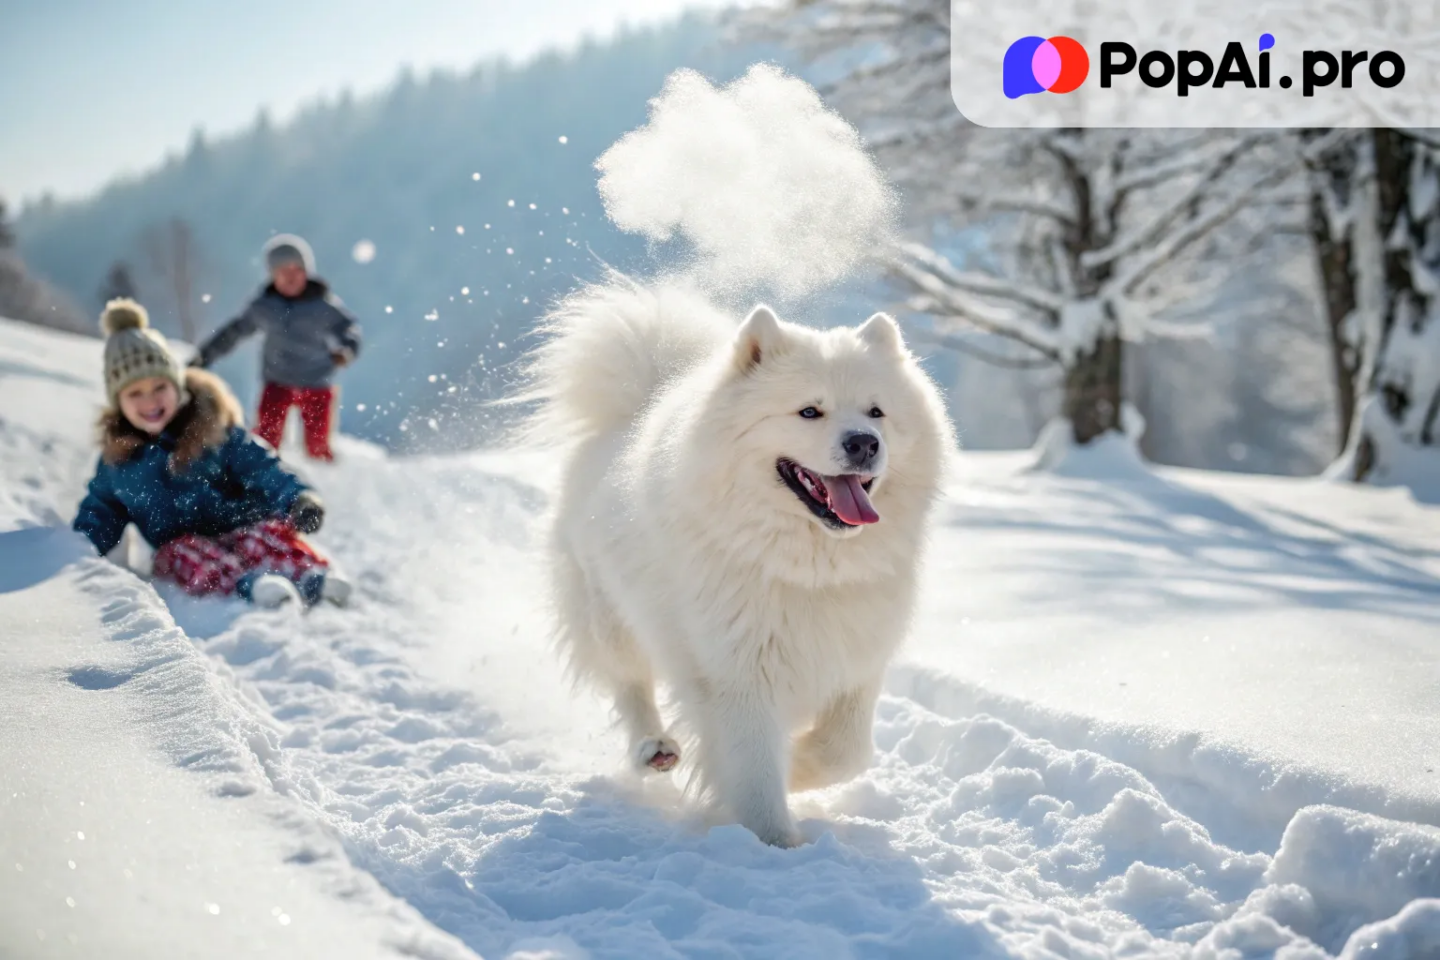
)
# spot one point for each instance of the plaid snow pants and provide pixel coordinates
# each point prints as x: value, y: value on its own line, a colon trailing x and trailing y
x: 218, y: 565
x: 317, y: 415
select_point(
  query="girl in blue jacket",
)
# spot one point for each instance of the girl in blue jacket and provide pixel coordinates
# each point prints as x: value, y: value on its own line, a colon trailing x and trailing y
x: 223, y: 514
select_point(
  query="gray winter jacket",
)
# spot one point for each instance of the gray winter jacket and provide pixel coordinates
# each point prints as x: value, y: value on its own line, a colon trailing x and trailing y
x: 302, y: 335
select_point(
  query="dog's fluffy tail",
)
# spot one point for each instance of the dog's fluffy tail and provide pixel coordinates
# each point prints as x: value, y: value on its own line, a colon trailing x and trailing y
x: 608, y: 348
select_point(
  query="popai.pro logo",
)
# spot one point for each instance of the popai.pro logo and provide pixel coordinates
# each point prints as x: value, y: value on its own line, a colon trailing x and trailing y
x: 1038, y: 65
x: 1061, y: 64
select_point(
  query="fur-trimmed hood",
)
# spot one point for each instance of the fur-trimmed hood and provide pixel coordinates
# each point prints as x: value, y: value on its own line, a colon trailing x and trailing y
x: 204, y: 421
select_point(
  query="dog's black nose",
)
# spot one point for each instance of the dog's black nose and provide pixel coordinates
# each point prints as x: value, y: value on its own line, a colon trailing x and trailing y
x: 861, y: 449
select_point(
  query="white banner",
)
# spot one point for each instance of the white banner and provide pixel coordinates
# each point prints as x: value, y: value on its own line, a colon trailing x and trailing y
x: 1222, y: 63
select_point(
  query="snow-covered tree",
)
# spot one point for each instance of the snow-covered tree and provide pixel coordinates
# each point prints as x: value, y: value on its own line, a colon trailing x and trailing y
x: 1375, y: 220
x: 1089, y: 235
x: 7, y: 232
x: 173, y: 255
x: 25, y: 296
x: 118, y: 283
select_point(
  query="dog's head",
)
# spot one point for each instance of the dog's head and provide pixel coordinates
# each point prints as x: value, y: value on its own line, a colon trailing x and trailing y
x: 825, y: 422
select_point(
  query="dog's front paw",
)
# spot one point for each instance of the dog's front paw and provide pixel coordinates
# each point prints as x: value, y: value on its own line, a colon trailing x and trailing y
x: 787, y: 841
x: 656, y: 754
x: 784, y: 836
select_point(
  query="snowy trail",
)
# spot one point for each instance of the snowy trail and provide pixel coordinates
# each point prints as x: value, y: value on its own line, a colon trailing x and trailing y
x: 1009, y: 812
x: 431, y: 727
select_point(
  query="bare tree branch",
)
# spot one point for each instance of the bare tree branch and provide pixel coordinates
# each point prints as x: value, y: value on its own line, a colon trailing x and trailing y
x: 939, y: 299
x: 960, y: 344
x: 1149, y: 232
x: 1172, y: 245
x: 981, y: 283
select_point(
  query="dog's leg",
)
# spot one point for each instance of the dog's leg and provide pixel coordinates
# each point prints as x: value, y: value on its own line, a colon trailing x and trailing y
x: 651, y: 747
x: 603, y: 652
x: 743, y: 762
x: 840, y: 745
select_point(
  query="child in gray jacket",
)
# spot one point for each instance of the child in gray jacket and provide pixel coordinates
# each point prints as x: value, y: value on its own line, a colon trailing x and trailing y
x: 308, y: 335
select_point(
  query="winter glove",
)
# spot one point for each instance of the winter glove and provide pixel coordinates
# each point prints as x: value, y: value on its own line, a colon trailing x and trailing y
x: 307, y: 512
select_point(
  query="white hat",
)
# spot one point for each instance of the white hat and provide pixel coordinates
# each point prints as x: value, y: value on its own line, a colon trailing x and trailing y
x: 288, y: 248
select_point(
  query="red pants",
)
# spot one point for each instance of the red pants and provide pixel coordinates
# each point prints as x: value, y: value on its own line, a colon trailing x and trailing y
x: 209, y: 565
x: 317, y: 405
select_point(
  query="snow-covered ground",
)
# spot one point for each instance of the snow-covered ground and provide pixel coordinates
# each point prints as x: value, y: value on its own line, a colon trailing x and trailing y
x: 1164, y: 714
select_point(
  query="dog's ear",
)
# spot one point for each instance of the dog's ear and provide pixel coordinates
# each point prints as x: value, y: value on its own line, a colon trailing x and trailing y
x: 883, y: 333
x: 759, y: 339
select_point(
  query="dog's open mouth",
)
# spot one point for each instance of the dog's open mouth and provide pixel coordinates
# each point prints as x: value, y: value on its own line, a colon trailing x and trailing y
x: 840, y: 501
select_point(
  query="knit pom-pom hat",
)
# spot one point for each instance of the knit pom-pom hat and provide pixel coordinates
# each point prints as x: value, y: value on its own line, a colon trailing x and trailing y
x: 134, y: 351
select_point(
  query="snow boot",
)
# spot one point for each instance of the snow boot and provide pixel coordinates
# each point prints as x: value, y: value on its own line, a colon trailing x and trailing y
x: 327, y: 585
x: 271, y: 591
x: 336, y: 589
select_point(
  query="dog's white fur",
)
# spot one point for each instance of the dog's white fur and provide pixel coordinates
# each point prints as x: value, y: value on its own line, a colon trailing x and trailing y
x: 679, y: 557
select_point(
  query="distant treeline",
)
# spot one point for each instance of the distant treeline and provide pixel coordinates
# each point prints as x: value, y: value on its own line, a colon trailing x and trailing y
x: 475, y: 193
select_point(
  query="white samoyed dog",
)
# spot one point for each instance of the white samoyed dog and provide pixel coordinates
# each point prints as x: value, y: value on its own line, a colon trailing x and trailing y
x: 740, y: 519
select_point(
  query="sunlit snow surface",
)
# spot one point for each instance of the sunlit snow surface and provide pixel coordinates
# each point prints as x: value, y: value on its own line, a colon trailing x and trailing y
x: 1164, y: 714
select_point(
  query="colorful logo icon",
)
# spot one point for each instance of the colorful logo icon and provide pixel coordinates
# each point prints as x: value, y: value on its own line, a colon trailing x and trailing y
x: 1037, y: 65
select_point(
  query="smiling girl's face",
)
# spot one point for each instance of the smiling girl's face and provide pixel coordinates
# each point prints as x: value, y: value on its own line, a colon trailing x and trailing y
x: 150, y: 404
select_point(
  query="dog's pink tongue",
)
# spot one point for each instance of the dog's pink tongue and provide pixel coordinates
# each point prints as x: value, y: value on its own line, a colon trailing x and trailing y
x: 850, y: 501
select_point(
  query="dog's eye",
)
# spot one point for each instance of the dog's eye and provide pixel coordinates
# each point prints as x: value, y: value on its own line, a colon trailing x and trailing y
x: 811, y: 413
x: 876, y: 412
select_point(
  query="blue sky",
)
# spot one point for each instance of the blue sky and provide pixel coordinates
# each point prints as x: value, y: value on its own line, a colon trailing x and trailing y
x: 93, y: 89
